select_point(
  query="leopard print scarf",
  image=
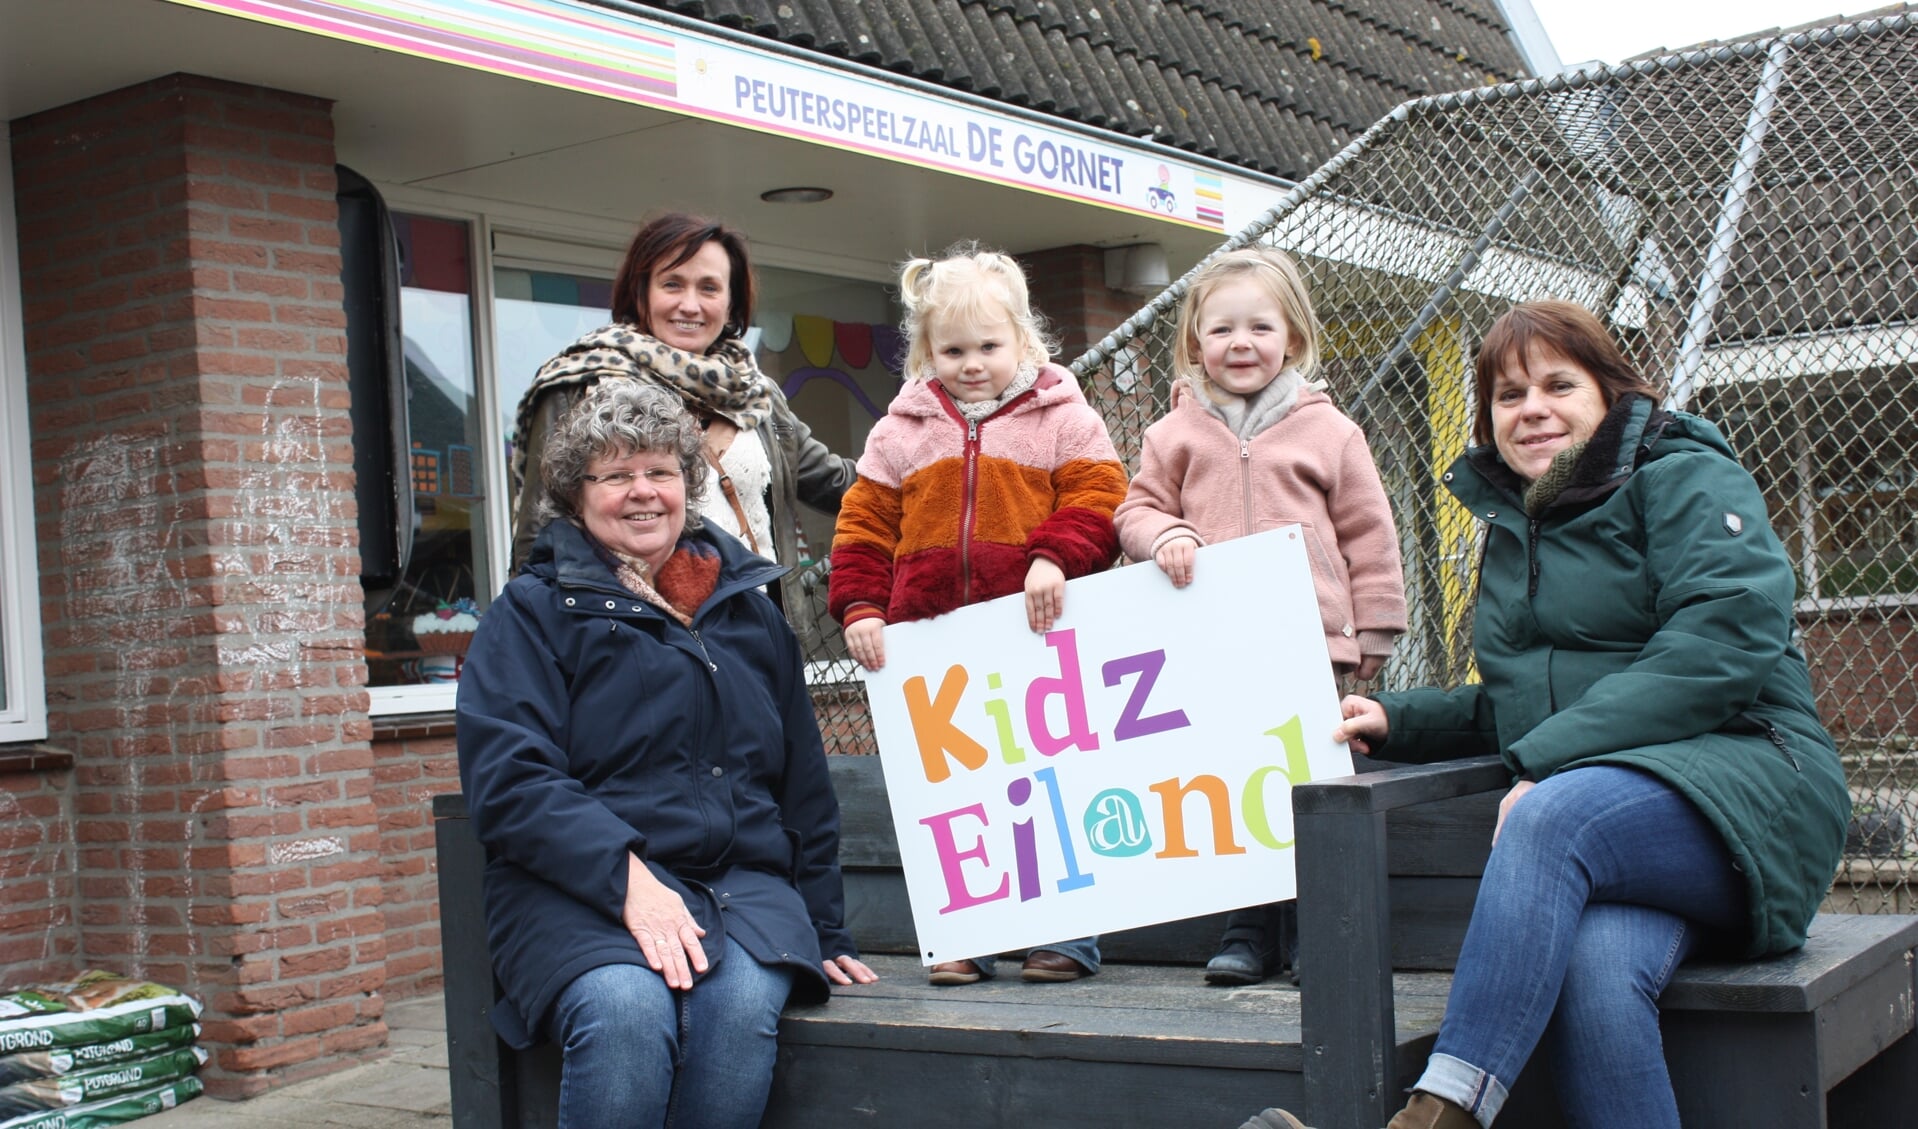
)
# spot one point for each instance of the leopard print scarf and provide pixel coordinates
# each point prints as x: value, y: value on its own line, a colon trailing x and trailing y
x: 724, y: 381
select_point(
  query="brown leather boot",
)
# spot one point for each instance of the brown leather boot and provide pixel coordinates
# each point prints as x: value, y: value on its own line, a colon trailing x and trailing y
x: 1427, y: 1112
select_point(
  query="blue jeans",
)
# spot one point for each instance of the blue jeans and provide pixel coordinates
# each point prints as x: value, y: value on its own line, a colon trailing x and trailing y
x: 638, y: 1053
x: 1603, y: 879
x: 1085, y: 950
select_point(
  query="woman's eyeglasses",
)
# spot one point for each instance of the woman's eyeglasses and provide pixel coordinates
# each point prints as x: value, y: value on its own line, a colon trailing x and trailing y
x: 622, y: 479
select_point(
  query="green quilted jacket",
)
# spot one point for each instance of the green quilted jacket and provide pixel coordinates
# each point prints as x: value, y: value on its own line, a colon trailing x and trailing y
x: 1644, y: 618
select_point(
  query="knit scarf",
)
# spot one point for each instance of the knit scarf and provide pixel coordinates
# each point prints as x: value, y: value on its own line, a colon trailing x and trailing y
x: 1546, y: 488
x: 1247, y: 416
x: 1023, y: 378
x: 724, y: 381
x: 681, y: 585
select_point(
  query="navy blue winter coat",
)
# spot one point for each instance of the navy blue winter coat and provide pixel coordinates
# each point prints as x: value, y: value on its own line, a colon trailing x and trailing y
x: 591, y: 724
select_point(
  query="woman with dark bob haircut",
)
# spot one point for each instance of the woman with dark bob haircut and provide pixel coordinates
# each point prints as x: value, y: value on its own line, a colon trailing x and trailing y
x: 682, y: 303
x: 638, y: 751
x: 1673, y: 789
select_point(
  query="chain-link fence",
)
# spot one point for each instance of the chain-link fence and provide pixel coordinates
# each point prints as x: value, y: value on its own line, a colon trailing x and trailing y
x: 1746, y: 220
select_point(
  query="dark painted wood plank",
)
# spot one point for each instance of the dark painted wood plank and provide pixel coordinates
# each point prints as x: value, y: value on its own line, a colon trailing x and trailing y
x: 1429, y: 916
x: 1744, y: 1069
x: 535, y: 1095
x: 1860, y: 1023
x: 1450, y: 838
x: 866, y: 834
x: 476, y: 1059
x: 1841, y: 950
x: 1402, y: 786
x: 878, y: 912
x: 1347, y: 1013
x: 877, y: 1086
x: 1881, y: 1093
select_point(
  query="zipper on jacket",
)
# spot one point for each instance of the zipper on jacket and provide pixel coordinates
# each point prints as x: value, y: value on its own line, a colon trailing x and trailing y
x: 1531, y: 553
x: 708, y: 655
x: 966, y: 515
x: 1245, y: 488
x: 1778, y: 739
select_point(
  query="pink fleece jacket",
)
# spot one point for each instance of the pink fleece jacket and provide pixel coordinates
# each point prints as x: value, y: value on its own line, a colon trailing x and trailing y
x: 1313, y: 468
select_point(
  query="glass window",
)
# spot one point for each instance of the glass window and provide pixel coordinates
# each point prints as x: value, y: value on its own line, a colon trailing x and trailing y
x: 418, y: 629
x: 537, y: 313
x: 23, y: 713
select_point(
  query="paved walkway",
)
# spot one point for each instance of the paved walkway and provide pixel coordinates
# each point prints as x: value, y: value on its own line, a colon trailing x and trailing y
x: 407, y: 1089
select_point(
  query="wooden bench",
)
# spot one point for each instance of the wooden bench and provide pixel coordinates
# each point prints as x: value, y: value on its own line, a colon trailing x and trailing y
x: 1144, y: 1042
x: 1389, y: 864
x: 1818, y: 1037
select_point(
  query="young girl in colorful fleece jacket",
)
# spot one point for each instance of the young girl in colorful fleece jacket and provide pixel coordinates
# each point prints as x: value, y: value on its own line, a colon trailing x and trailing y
x: 1248, y: 446
x: 989, y: 475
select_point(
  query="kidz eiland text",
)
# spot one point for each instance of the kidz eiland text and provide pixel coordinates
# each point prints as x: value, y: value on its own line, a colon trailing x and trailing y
x: 1133, y: 765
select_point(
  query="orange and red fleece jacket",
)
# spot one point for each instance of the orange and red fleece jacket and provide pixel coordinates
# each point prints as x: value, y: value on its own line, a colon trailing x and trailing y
x: 947, y: 513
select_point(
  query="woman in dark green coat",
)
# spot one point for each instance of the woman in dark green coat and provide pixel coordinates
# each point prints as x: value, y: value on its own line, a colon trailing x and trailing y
x: 1674, y: 787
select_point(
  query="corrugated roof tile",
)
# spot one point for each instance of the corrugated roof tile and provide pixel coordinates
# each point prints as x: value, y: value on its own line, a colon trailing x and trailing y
x: 1013, y: 59
x: 1042, y: 72
x: 821, y: 18
x: 990, y: 65
x: 1089, y: 82
x: 1188, y: 55
x: 1072, y: 84
x: 1148, y: 110
x: 1111, y: 90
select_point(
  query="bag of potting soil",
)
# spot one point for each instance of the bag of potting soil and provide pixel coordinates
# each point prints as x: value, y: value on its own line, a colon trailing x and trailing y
x: 99, y: 1007
x: 99, y: 1083
x: 65, y: 1060
x: 111, y: 1111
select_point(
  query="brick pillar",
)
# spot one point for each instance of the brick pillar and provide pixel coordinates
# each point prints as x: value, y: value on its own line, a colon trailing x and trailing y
x: 1069, y: 287
x: 198, y: 559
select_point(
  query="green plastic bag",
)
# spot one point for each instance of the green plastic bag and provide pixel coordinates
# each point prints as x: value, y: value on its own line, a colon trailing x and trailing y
x: 65, y: 1060
x: 29, y: 1098
x: 98, y: 1007
x: 111, y: 1111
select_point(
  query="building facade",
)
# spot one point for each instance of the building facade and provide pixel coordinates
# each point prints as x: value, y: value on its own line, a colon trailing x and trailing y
x: 225, y: 534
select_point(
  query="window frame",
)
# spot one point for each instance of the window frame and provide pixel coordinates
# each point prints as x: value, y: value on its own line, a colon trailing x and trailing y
x: 23, y: 717
x: 401, y: 701
x: 527, y: 237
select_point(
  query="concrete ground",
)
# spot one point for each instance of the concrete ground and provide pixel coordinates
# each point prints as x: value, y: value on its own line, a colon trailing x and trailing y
x: 408, y: 1089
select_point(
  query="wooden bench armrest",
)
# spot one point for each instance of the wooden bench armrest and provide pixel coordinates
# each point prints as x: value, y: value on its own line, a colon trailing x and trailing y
x: 1402, y: 786
x: 1346, y: 1016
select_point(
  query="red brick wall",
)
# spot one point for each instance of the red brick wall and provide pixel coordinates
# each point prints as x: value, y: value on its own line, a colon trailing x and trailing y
x: 417, y: 763
x: 194, y: 508
x: 38, y: 936
x: 1864, y: 669
x: 1069, y: 287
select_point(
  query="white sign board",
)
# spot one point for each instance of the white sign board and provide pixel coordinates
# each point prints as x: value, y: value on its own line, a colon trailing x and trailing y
x: 1131, y: 766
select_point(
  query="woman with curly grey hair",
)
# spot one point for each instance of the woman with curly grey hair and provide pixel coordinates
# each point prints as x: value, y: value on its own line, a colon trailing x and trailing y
x: 681, y: 305
x: 638, y: 750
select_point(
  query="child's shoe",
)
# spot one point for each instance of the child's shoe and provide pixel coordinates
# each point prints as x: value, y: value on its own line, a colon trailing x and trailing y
x: 1046, y: 967
x: 1237, y: 962
x: 954, y: 972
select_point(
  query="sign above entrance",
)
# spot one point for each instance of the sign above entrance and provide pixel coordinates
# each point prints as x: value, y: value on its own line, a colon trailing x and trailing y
x: 582, y: 47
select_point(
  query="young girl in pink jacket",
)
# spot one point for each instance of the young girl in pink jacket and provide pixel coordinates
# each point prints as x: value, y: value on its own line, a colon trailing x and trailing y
x: 1250, y: 445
